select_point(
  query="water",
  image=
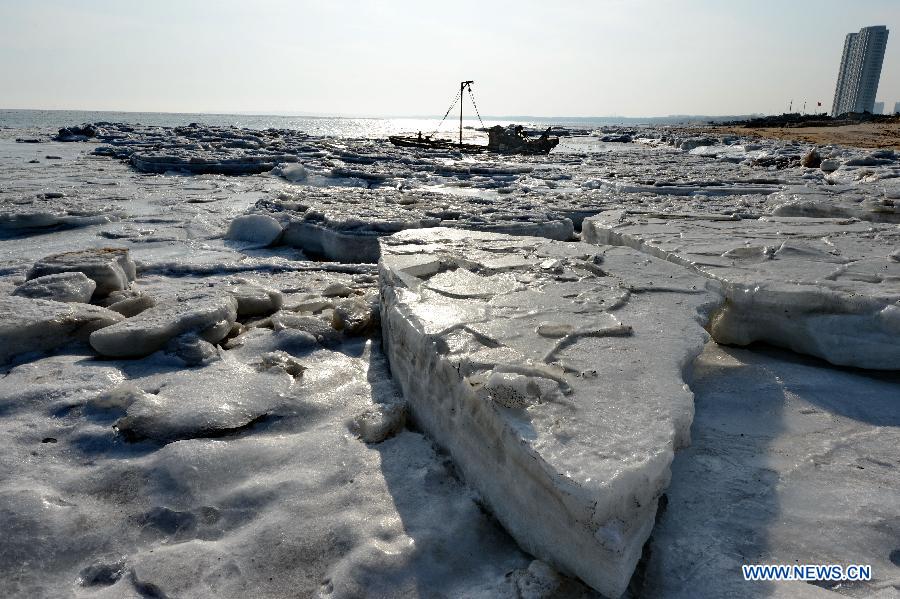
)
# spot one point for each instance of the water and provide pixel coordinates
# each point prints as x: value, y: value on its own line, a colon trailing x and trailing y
x: 330, y: 126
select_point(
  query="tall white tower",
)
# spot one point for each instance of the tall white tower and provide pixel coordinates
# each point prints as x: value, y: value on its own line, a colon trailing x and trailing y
x: 860, y: 70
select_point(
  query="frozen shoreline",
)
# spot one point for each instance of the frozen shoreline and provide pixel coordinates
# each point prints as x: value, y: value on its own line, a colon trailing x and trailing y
x: 229, y: 464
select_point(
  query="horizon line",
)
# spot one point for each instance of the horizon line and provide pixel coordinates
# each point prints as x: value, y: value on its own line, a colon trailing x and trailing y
x: 288, y: 114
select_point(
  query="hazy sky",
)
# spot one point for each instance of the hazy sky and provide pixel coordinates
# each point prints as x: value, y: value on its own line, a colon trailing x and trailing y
x: 403, y: 57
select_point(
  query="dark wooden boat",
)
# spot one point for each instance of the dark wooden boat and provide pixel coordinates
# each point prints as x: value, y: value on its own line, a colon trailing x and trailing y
x: 501, y: 140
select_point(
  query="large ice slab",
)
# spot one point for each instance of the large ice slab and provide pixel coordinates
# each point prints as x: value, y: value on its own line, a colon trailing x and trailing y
x: 553, y: 373
x: 28, y: 325
x: 820, y: 286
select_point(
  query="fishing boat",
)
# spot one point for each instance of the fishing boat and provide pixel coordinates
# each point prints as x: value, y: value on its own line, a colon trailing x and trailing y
x: 502, y: 140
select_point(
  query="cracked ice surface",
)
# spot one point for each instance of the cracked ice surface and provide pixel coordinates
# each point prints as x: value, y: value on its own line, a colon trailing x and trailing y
x: 825, y: 287
x: 553, y: 374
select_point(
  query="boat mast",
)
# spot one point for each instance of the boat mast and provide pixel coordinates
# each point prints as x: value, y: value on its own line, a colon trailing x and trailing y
x: 462, y: 87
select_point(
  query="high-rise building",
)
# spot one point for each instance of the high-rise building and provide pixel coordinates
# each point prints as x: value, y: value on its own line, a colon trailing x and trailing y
x: 879, y: 108
x: 896, y: 107
x: 860, y: 71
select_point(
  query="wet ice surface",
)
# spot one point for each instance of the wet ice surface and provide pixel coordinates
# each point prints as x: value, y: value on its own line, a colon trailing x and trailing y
x: 254, y: 443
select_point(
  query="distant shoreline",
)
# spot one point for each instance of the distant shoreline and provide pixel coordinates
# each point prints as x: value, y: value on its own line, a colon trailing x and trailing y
x: 863, y: 135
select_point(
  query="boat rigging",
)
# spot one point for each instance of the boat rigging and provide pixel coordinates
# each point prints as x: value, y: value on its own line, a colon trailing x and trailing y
x: 508, y: 140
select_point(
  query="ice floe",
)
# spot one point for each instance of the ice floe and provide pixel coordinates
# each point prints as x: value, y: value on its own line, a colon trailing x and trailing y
x: 820, y: 286
x: 553, y: 374
x: 34, y: 325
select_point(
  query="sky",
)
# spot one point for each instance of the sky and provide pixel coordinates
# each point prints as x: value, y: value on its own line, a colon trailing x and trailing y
x: 406, y: 57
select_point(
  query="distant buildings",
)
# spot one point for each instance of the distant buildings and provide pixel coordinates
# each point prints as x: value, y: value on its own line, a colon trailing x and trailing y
x: 860, y: 70
x: 896, y: 107
x: 879, y: 108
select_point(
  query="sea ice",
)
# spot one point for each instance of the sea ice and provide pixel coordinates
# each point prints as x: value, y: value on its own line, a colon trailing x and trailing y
x: 345, y: 224
x: 255, y: 228
x: 553, y: 374
x: 791, y: 461
x: 210, y: 315
x: 29, y: 325
x: 60, y: 287
x: 820, y: 286
x: 222, y: 397
x: 112, y: 269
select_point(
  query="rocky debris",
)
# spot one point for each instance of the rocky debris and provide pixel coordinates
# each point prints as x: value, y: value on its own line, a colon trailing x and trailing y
x: 501, y: 344
x: 811, y: 159
x: 208, y: 314
x: 32, y: 325
x: 59, y: 287
x: 820, y: 286
x: 112, y: 269
x: 76, y: 133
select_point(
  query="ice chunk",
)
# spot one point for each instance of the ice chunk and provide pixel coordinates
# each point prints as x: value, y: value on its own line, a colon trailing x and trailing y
x: 284, y: 361
x: 131, y: 305
x: 193, y: 350
x: 821, y: 286
x: 39, y: 213
x: 380, y: 422
x: 60, y: 287
x: 217, y: 399
x: 567, y: 435
x: 28, y: 325
x: 211, y: 316
x: 110, y: 268
x: 356, y: 315
x: 254, y: 300
x: 255, y: 228
x: 336, y: 290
